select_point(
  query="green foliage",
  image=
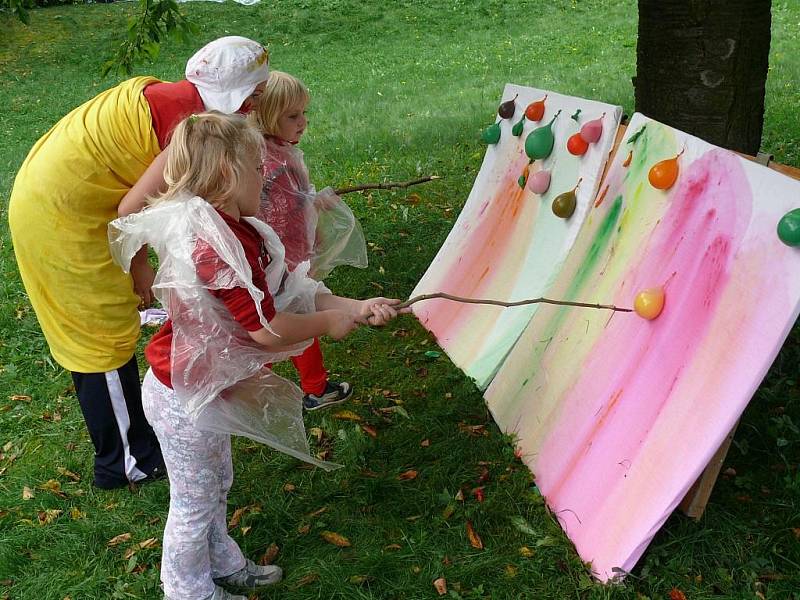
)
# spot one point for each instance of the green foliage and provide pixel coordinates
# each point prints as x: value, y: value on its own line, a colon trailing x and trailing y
x: 155, y: 20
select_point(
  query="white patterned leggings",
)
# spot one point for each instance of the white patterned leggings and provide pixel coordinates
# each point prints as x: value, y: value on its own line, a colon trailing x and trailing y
x: 197, y: 546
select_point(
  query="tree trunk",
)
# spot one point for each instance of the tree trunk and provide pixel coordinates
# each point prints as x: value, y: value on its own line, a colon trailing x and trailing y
x: 702, y: 67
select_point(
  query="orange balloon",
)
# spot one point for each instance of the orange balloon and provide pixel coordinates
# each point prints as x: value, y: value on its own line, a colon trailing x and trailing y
x: 663, y: 174
x: 649, y: 303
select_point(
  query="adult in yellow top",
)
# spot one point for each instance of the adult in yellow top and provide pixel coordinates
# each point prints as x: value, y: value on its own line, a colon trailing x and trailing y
x: 101, y: 160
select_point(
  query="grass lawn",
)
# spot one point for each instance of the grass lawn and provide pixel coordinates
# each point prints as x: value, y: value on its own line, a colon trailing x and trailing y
x: 399, y: 89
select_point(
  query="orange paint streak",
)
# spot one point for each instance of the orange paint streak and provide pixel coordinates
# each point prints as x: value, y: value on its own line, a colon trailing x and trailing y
x: 601, y: 197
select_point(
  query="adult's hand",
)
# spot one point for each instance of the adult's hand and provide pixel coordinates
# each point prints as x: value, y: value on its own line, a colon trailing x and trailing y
x: 143, y: 276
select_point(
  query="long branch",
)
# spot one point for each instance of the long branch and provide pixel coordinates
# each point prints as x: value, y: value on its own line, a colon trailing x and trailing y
x: 385, y: 186
x: 517, y: 303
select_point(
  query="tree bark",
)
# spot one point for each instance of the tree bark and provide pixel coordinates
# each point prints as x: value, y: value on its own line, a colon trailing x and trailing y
x: 702, y: 67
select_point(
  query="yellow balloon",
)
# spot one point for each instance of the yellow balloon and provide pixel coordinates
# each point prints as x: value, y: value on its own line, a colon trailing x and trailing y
x: 649, y: 303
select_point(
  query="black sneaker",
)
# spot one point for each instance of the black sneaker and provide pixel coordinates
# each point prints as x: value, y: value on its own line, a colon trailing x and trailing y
x: 335, y: 393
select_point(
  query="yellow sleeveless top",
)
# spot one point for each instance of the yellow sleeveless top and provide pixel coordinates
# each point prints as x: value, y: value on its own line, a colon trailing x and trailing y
x: 64, y: 196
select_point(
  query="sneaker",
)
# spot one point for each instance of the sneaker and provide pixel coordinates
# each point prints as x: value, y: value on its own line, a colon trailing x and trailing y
x: 219, y: 594
x: 251, y: 577
x: 335, y: 393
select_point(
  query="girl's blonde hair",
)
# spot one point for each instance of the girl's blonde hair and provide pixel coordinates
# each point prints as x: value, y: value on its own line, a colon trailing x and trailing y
x: 208, y: 155
x: 282, y: 92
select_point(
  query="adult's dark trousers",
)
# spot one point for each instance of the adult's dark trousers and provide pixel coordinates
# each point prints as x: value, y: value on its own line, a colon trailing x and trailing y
x: 126, y: 448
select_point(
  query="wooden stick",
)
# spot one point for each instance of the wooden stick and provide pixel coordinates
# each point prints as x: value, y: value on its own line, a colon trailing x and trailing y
x: 385, y: 186
x: 517, y: 303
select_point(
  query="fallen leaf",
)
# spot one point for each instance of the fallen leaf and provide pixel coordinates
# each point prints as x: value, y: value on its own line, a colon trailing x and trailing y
x: 475, y: 430
x: 408, y: 475
x: 416, y: 569
x: 796, y: 532
x: 27, y: 493
x: 289, y: 487
x: 360, y: 579
x: 446, y: 561
x: 304, y: 529
x: 245, y: 530
x: 460, y: 495
x: 335, y: 539
x: 48, y: 516
x: 448, y: 511
x: 369, y: 430
x: 526, y: 552
x: 425, y: 443
x: 118, y: 539
x: 8, y: 446
x: 511, y: 571
x: 20, y: 398
x: 317, y: 433
x: 75, y: 514
x: 392, y: 547
x: 347, y: 415
x: 474, y: 539
x: 484, y: 476
x: 54, y: 487
x: 68, y: 473
x: 441, y: 586
x: 237, y: 516
x: 676, y: 594
x: 305, y: 580
x: 270, y: 555
x: 317, y: 512
x: 729, y: 472
x: 414, y: 518
x: 478, y: 493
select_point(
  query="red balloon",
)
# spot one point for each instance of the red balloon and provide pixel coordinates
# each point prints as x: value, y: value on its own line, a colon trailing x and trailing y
x: 577, y: 145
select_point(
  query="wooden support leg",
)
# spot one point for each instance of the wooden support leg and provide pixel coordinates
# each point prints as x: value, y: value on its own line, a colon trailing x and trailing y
x: 694, y: 503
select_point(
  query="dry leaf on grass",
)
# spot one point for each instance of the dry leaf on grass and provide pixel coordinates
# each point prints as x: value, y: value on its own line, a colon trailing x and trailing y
x: 27, y: 493
x: 67, y: 473
x: 237, y: 516
x: 20, y: 398
x: 54, y: 487
x: 346, y: 415
x: 360, y: 579
x: 474, y: 539
x: 425, y: 443
x: 369, y: 430
x: 676, y: 594
x: 48, y: 516
x: 335, y: 539
x: 269, y: 556
x: 392, y: 547
x: 305, y: 580
x: 408, y: 475
x: 118, y: 539
x: 441, y: 586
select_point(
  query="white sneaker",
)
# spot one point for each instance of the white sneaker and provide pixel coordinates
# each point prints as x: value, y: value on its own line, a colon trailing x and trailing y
x: 251, y: 577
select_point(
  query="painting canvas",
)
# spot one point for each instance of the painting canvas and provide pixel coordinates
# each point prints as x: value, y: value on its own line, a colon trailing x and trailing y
x: 617, y: 415
x: 507, y: 244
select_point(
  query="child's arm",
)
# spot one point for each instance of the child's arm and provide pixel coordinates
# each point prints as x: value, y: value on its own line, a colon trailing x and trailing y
x: 376, y: 311
x: 290, y: 328
x: 149, y: 184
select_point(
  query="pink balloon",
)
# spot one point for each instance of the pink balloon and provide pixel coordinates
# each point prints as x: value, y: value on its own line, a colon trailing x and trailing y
x: 591, y: 131
x: 539, y: 182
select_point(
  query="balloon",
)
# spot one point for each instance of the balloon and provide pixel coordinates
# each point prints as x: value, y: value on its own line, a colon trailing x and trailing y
x: 576, y: 145
x: 649, y: 303
x: 506, y: 109
x: 789, y: 228
x: 564, y: 204
x: 518, y: 126
x: 491, y: 135
x: 535, y: 110
x: 591, y: 131
x: 539, y: 143
x: 539, y: 182
x: 663, y: 174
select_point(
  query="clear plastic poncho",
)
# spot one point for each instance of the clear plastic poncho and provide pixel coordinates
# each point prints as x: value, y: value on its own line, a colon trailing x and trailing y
x: 218, y: 371
x: 314, y: 226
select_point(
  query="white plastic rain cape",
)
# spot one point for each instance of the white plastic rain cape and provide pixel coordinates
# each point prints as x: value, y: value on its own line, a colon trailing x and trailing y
x: 314, y: 226
x: 218, y: 371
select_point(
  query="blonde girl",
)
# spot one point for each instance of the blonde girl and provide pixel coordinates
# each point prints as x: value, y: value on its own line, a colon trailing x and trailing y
x: 233, y: 308
x: 314, y: 227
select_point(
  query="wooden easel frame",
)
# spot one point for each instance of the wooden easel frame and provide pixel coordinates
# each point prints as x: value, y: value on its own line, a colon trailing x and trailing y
x: 694, y: 502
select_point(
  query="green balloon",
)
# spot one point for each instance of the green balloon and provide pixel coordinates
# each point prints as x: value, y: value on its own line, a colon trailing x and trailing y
x: 540, y: 141
x: 491, y: 135
x: 564, y: 204
x: 789, y: 228
x: 517, y: 129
